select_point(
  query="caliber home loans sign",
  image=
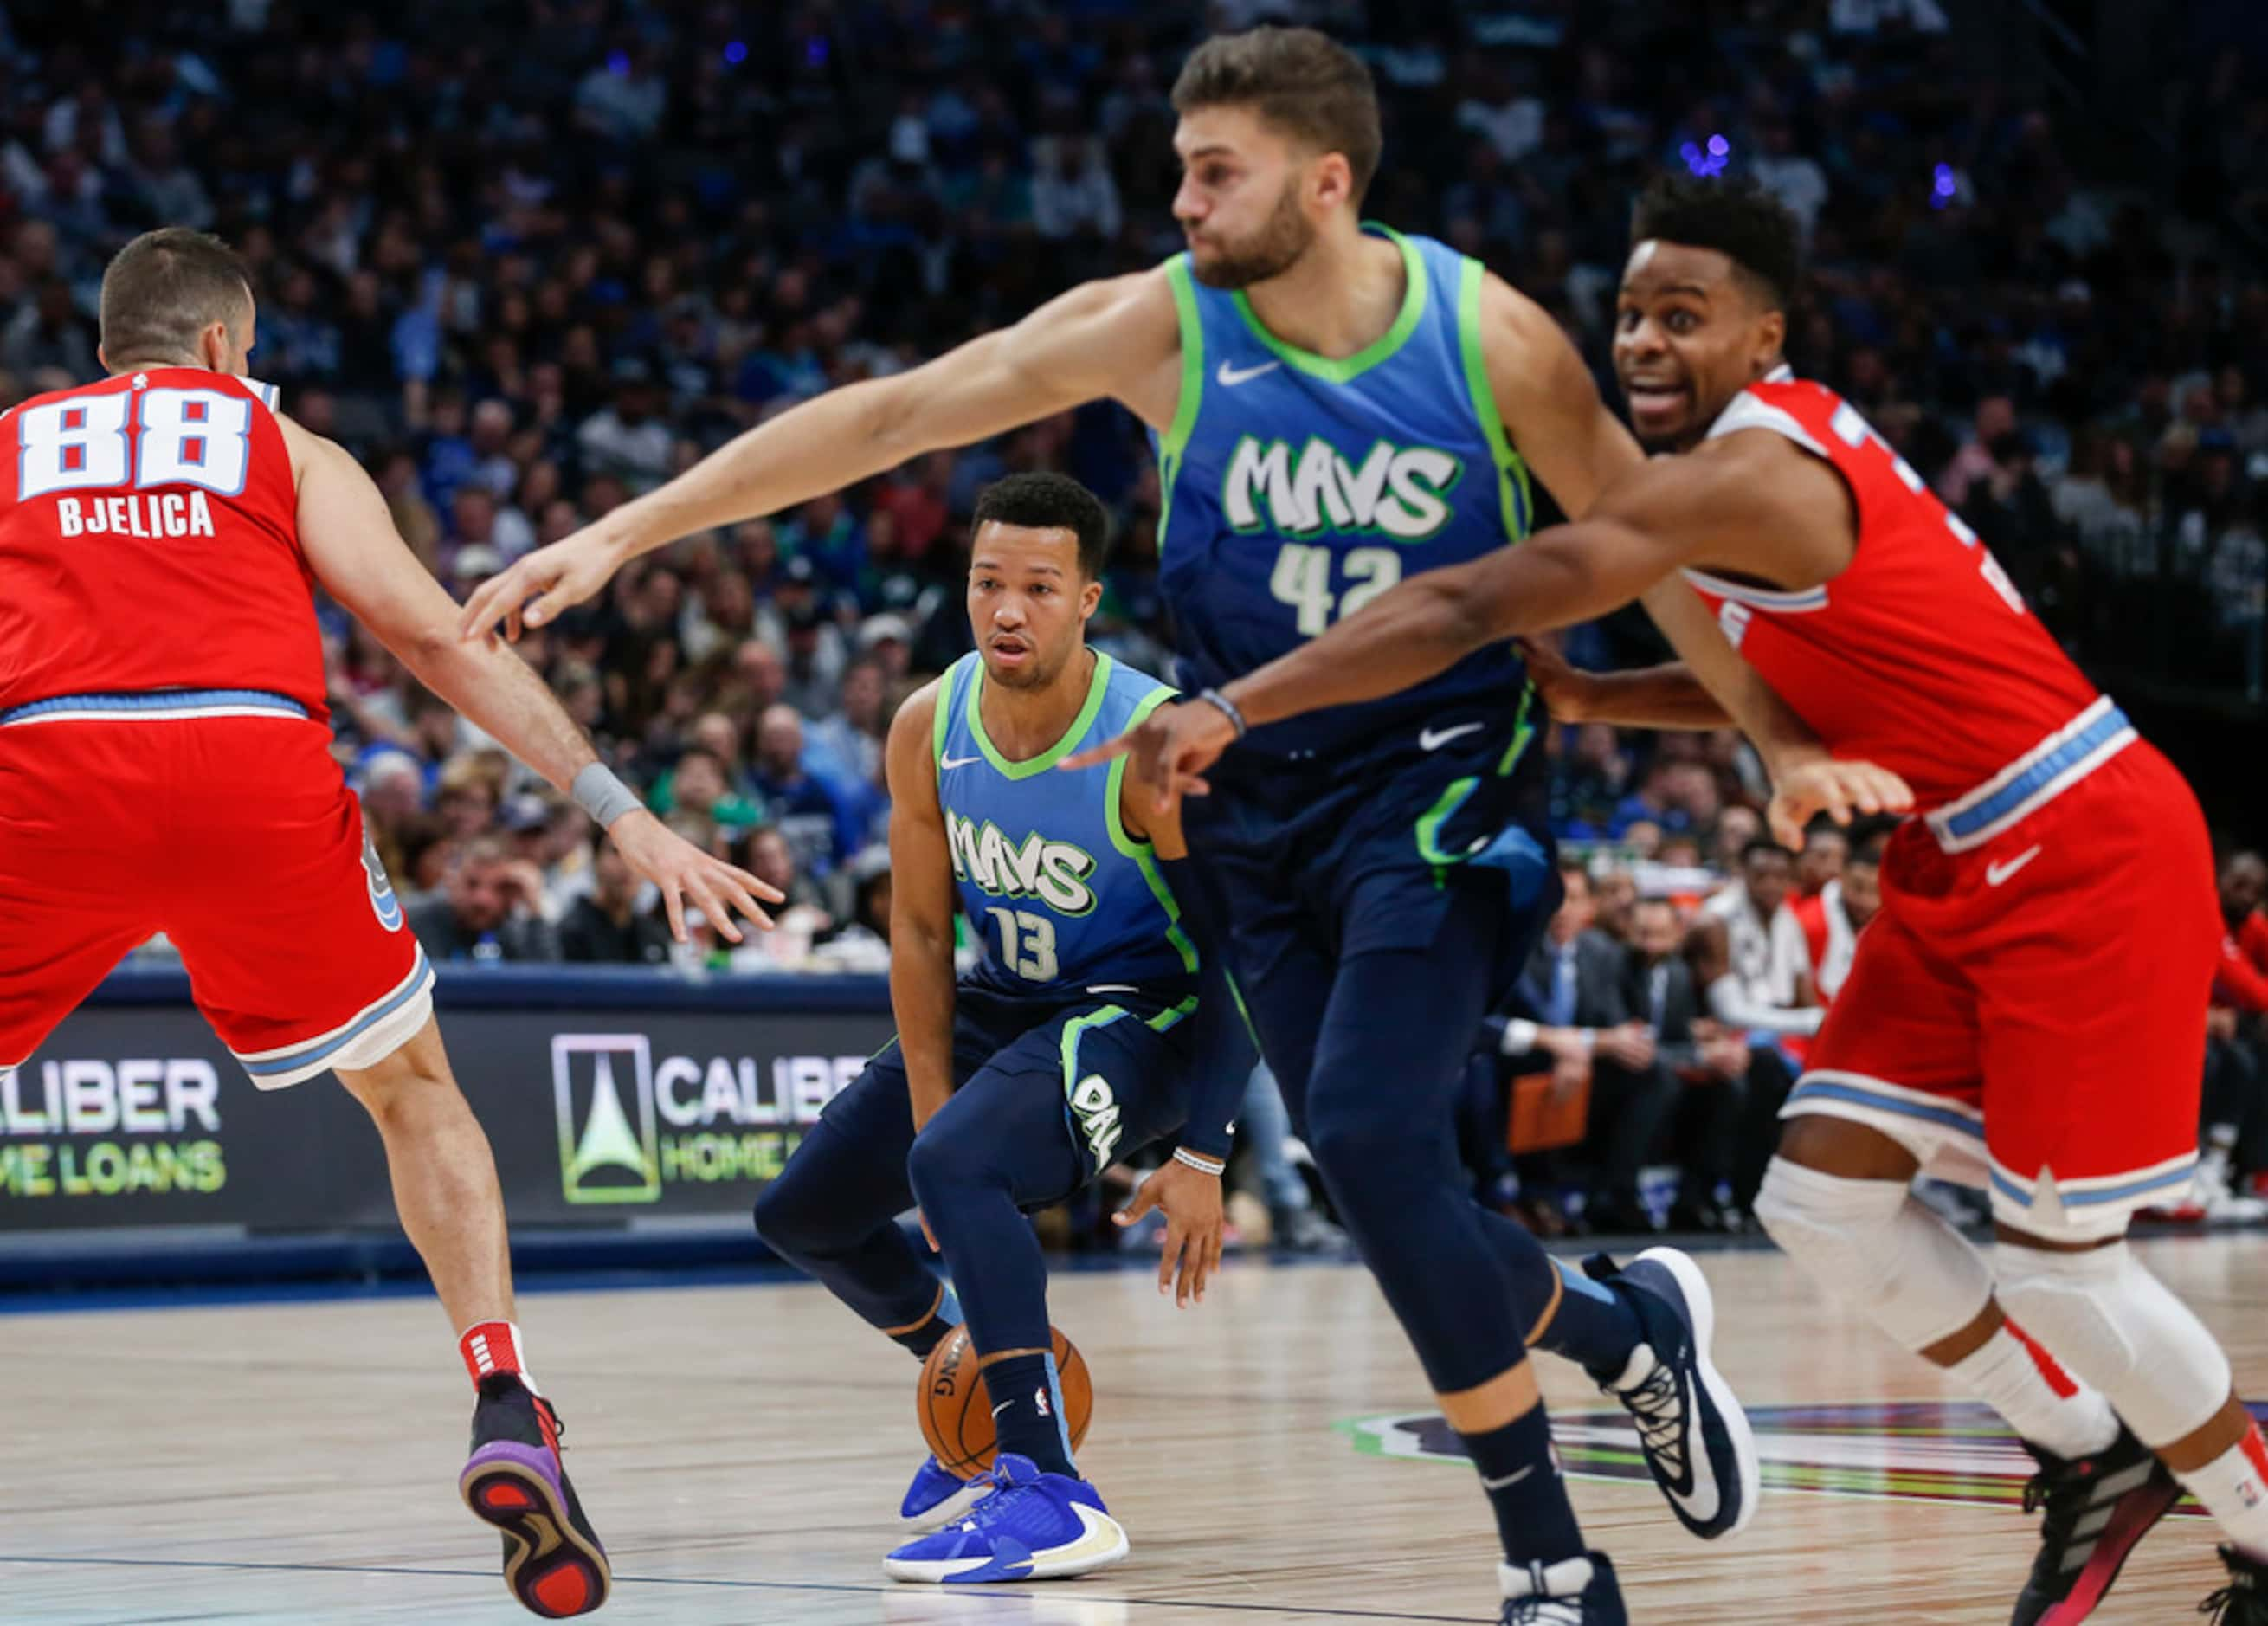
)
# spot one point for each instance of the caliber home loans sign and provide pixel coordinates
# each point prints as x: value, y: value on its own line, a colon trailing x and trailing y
x: 137, y: 1116
x: 633, y: 1124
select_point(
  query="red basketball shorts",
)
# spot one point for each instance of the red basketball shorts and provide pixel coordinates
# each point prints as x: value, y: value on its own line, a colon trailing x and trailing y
x: 219, y: 818
x: 2027, y: 1014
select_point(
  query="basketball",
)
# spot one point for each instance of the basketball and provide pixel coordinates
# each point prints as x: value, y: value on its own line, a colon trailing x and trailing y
x: 956, y: 1413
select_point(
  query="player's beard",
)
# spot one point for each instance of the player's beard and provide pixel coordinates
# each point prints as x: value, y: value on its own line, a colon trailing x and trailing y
x: 1035, y: 674
x: 1275, y: 251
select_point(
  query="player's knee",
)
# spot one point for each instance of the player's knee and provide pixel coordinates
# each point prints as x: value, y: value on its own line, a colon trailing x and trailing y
x: 944, y: 1163
x: 1353, y: 1135
x: 396, y: 1089
x: 804, y: 1215
x: 1915, y: 1275
x: 783, y: 1215
x: 2104, y: 1316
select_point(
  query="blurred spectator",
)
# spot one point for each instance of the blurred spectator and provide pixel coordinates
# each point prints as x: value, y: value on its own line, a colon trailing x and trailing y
x: 1575, y: 984
x: 1749, y: 953
x: 701, y: 786
x: 48, y: 335
x: 801, y: 807
x: 767, y: 853
x: 606, y: 925
x: 1833, y: 916
x: 1689, y: 1047
x: 2233, y: 1129
x: 1825, y: 851
x: 489, y: 908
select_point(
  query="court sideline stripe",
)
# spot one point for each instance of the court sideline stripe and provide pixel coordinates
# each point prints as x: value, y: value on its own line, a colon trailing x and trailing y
x: 690, y: 1580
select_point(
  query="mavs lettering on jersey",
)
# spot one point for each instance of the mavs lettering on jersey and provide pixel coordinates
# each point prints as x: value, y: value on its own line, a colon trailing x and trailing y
x: 1063, y: 895
x: 1299, y: 487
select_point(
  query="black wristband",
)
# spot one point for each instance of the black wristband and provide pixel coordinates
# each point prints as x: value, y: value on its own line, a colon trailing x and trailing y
x: 1227, y: 708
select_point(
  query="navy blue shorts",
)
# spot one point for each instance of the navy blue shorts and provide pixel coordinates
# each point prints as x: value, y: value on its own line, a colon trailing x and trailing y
x: 1307, y: 864
x: 1117, y: 1065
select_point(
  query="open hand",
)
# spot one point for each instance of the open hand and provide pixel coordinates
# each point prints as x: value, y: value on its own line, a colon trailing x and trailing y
x: 1838, y: 789
x: 536, y: 586
x: 1190, y: 1201
x: 683, y: 871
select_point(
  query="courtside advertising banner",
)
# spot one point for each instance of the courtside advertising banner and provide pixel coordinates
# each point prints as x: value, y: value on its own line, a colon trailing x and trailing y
x: 136, y: 1116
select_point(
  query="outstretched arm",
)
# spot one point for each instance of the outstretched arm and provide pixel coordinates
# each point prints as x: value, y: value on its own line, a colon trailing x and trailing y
x: 1648, y: 697
x: 1186, y: 1187
x: 1730, y: 506
x: 1581, y: 451
x: 352, y: 547
x: 1120, y: 337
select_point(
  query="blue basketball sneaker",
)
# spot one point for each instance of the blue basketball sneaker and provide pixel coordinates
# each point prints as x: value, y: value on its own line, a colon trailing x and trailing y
x: 1574, y: 1591
x: 1697, y: 1442
x: 936, y: 1497
x: 1029, y: 1527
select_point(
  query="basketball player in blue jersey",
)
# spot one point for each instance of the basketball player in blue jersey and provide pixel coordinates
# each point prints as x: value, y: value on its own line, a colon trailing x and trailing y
x: 1070, y: 1045
x: 1336, y: 407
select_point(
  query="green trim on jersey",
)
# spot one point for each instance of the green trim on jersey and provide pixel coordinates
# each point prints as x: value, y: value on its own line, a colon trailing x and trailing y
x: 1515, y: 497
x: 1176, y: 438
x: 1523, y: 731
x: 1170, y: 1018
x: 1406, y: 323
x: 939, y: 717
x: 1141, y: 852
x: 1429, y: 822
x: 1097, y: 687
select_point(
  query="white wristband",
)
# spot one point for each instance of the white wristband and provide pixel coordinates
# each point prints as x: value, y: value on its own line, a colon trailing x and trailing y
x: 1520, y: 1036
x: 1198, y: 1161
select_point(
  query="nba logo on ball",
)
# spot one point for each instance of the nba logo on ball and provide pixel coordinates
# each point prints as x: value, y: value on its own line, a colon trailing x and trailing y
x: 608, y: 1145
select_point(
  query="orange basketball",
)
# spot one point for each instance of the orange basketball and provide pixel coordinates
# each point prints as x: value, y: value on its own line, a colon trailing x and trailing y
x: 956, y: 1414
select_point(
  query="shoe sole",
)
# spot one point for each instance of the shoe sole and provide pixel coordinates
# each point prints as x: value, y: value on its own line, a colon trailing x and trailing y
x: 1091, y: 1552
x: 2137, y: 1512
x: 1701, y: 1305
x: 553, y: 1568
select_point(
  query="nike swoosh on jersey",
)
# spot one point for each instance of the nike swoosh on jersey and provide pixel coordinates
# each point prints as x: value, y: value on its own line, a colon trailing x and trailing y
x: 957, y: 762
x: 1231, y: 377
x: 1433, y: 739
x: 1998, y: 875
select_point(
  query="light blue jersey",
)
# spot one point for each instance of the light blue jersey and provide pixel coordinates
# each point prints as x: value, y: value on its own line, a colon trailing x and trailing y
x: 1064, y: 900
x: 1298, y: 488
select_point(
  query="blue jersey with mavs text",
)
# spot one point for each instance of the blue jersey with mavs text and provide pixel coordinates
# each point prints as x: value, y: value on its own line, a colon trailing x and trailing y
x: 1065, y: 900
x: 1298, y: 488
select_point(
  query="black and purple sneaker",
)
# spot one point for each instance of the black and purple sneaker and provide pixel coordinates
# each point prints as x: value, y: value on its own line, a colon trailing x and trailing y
x: 552, y: 1559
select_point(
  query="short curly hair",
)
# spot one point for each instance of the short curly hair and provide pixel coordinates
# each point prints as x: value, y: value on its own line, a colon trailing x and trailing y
x: 1738, y: 218
x: 1044, y: 501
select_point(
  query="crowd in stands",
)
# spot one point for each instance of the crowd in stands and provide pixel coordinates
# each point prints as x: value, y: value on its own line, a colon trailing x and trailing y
x: 526, y: 261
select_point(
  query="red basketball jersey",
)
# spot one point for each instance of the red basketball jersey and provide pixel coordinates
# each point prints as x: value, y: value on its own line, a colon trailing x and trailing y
x: 1921, y: 655
x: 149, y: 539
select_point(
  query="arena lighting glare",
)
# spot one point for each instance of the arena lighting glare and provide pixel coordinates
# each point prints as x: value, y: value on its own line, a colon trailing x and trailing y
x: 1942, y: 187
x: 1709, y: 162
x: 736, y: 52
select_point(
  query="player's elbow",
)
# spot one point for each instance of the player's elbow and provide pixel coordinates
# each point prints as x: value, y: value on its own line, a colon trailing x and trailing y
x: 421, y: 645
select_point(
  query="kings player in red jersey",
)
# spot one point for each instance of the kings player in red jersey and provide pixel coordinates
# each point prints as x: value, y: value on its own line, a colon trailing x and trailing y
x: 2027, y: 1012
x: 165, y: 764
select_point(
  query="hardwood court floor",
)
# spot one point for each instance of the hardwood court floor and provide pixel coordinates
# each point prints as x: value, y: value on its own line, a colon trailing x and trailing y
x: 743, y: 1451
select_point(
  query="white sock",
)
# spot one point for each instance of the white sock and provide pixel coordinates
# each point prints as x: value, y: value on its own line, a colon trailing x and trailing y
x: 2233, y: 1488
x: 2042, y: 1402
